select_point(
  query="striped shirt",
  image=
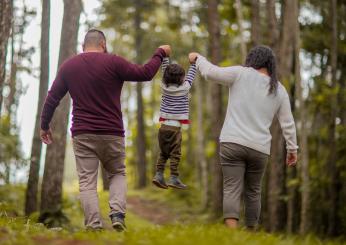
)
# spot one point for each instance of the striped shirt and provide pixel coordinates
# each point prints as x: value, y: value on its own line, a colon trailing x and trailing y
x: 175, y: 99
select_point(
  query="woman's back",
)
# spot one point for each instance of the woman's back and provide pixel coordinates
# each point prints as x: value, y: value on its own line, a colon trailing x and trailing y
x: 251, y: 110
x: 251, y: 107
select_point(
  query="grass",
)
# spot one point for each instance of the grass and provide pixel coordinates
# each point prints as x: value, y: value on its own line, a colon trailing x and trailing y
x: 15, y: 229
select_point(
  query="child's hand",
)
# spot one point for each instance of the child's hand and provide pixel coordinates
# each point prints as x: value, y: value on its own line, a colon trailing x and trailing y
x: 167, y: 49
x: 193, y: 57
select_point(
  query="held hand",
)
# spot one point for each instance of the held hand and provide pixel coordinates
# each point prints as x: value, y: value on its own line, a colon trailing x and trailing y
x: 193, y: 57
x: 167, y: 49
x: 291, y: 159
x: 46, y: 136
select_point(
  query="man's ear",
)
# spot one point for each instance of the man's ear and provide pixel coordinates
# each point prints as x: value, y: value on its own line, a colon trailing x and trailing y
x: 104, y: 46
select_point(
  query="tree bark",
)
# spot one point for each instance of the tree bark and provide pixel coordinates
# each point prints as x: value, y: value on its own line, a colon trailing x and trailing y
x: 332, y: 156
x: 273, y: 31
x: 255, y: 23
x: 36, y: 148
x: 304, y: 150
x: 201, y: 158
x: 216, y: 110
x: 51, y: 195
x: 240, y: 19
x: 6, y: 15
x: 141, y: 147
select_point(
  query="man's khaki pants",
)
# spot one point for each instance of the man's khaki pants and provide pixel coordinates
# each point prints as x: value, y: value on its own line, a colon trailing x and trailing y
x: 89, y: 150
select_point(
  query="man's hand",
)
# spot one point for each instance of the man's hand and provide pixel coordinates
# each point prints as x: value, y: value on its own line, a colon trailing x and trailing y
x: 291, y: 159
x: 46, y: 136
x: 167, y: 49
x: 193, y: 57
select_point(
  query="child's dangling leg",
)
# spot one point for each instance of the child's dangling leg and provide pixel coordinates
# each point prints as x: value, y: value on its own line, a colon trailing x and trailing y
x: 159, y: 179
x: 175, y: 155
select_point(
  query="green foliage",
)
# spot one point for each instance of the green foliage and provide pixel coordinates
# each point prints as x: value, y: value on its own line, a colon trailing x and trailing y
x: 10, y: 153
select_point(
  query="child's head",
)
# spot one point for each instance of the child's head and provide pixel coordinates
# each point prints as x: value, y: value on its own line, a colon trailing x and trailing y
x: 174, y: 75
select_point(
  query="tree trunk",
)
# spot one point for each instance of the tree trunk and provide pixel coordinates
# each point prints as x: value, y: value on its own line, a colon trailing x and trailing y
x: 255, y: 23
x: 36, y: 148
x: 277, y: 170
x: 240, y: 19
x: 304, y: 151
x: 216, y: 110
x: 141, y: 147
x: 273, y: 31
x: 51, y: 196
x: 6, y: 14
x: 332, y: 156
x: 201, y: 159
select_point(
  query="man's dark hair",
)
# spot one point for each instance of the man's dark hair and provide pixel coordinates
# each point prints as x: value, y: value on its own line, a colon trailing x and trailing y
x: 263, y: 57
x: 174, y: 74
x: 93, y: 38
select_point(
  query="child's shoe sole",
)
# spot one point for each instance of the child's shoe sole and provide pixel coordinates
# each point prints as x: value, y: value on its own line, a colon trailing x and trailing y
x: 177, y: 187
x: 158, y: 184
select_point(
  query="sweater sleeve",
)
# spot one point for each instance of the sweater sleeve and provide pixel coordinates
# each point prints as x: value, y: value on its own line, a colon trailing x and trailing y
x: 139, y: 73
x: 165, y: 63
x: 55, y: 94
x: 191, y: 74
x: 287, y: 124
x: 223, y: 75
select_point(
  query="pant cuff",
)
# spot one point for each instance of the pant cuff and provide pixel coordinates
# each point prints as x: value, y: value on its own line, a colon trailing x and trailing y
x: 231, y: 216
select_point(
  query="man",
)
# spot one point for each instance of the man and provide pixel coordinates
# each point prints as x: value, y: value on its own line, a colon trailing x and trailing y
x: 94, y: 80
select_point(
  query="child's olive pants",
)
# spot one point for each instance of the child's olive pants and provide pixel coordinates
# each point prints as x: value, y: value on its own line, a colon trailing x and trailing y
x: 170, y: 148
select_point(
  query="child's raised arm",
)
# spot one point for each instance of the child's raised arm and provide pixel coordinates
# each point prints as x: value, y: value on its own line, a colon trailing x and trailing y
x: 165, y: 63
x: 191, y: 74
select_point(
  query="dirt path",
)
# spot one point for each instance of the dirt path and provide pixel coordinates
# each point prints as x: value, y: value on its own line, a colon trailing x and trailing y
x: 153, y: 211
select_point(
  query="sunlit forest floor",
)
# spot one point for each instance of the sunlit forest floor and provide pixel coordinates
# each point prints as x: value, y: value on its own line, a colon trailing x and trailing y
x: 154, y: 217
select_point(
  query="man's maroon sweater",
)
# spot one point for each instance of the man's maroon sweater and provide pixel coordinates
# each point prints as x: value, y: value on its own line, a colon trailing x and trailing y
x: 94, y: 81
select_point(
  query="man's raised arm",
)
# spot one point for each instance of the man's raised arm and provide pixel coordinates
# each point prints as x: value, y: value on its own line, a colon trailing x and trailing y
x: 132, y: 72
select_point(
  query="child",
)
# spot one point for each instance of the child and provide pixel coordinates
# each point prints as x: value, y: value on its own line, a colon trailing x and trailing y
x: 174, y: 112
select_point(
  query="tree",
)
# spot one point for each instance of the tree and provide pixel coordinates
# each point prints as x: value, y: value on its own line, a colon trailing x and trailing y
x: 216, y: 110
x: 240, y: 19
x: 303, y: 134
x: 255, y: 23
x: 51, y: 195
x: 141, y: 149
x: 32, y: 186
x: 6, y: 14
x: 332, y: 156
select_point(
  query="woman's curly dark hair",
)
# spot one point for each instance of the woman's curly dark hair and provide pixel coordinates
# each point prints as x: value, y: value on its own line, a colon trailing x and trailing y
x: 263, y: 57
x: 174, y: 74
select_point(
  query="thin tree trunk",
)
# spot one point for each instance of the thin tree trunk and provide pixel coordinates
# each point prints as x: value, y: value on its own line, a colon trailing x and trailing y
x: 51, y: 195
x: 141, y: 147
x: 240, y: 20
x: 216, y: 110
x: 332, y: 156
x: 36, y: 148
x: 304, y: 151
x: 201, y: 159
x: 273, y: 31
x: 255, y: 23
x: 6, y: 15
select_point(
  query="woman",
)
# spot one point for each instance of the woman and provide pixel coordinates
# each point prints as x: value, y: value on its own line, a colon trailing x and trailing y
x: 256, y: 97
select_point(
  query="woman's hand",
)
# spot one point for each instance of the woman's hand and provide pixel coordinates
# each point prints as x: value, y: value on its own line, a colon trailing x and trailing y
x: 193, y: 57
x: 291, y: 159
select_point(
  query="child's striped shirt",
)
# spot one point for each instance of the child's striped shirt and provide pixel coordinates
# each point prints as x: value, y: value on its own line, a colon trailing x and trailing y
x: 175, y: 99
